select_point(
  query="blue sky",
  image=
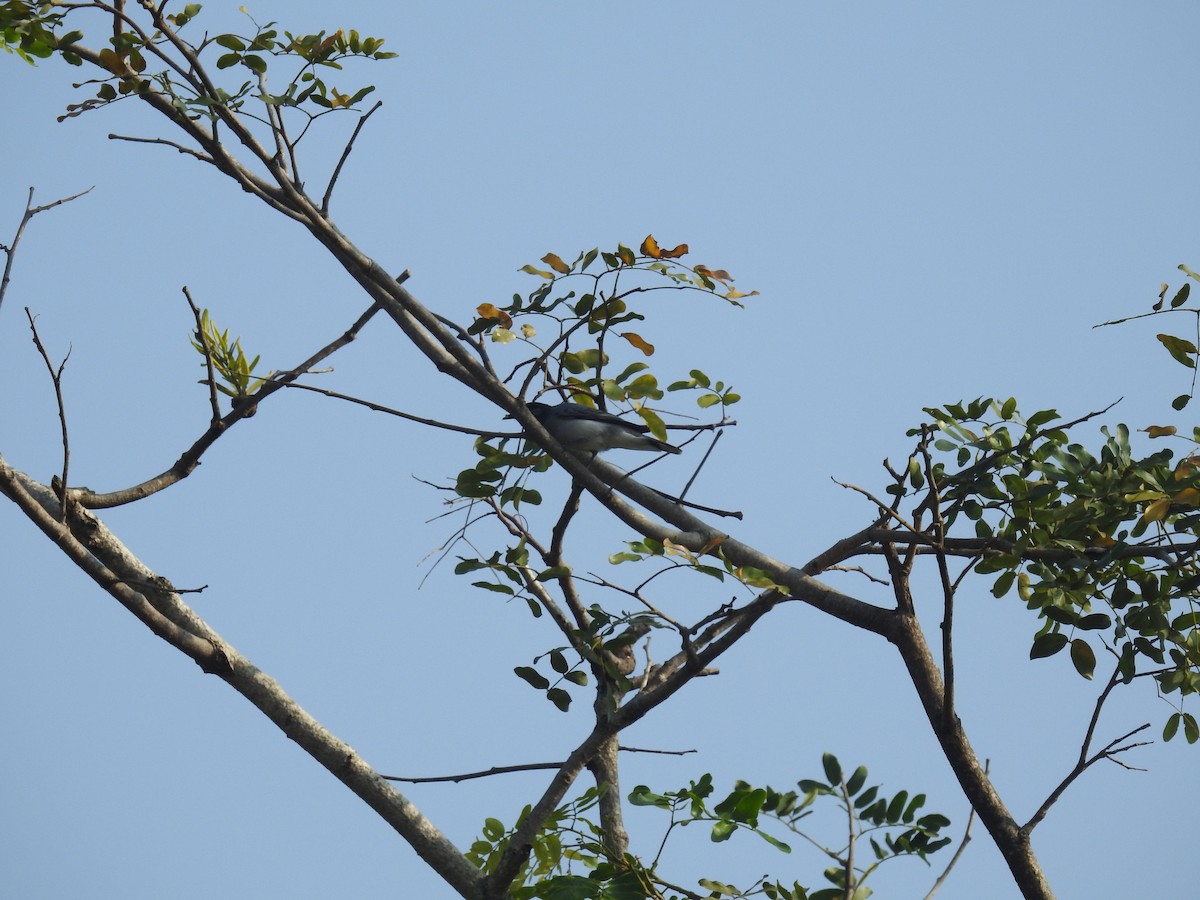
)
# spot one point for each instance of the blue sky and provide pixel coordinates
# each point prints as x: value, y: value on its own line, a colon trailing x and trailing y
x: 936, y: 201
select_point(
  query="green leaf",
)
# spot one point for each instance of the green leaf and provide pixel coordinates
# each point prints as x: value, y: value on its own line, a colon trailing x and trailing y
x: 1181, y: 349
x: 896, y: 808
x: 493, y: 829
x: 1004, y: 583
x: 643, y: 796
x: 722, y: 831
x: 1171, y: 727
x: 531, y: 675
x: 833, y: 769
x: 867, y: 798
x: 1186, y: 621
x: 773, y: 841
x: 1047, y: 644
x: 854, y: 785
x: 1094, y: 621
x: 494, y: 588
x: 1083, y: 657
x: 559, y: 698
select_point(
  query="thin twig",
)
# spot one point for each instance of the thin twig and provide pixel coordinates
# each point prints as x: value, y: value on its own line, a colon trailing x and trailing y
x: 505, y: 770
x: 379, y: 407
x: 466, y: 337
x: 187, y: 463
x: 1107, y: 752
x: 337, y: 170
x: 10, y: 251
x: 948, y: 588
x: 707, y: 453
x: 966, y: 839
x: 885, y: 509
x: 208, y: 359
x: 56, y: 377
x: 187, y: 151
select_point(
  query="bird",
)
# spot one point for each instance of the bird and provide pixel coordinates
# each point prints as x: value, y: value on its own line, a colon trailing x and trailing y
x: 592, y: 431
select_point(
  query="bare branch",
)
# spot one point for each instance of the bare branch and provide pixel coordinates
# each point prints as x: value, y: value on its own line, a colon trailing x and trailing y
x: 187, y: 463
x: 56, y: 378
x: 1084, y: 761
x: 10, y: 251
x: 108, y: 562
x: 187, y: 151
x: 962, y: 845
x: 337, y: 170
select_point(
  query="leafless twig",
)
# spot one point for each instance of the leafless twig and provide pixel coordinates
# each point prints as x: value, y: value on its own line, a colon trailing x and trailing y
x: 337, y: 170
x: 56, y: 377
x: 505, y: 770
x: 10, y: 251
x: 962, y: 845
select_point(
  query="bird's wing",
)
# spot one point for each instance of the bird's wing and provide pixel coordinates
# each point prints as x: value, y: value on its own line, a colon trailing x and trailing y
x: 570, y: 410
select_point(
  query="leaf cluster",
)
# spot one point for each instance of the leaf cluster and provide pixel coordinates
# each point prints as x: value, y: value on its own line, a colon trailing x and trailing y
x: 891, y: 825
x: 569, y: 840
x: 228, y: 359
x: 1100, y: 544
x: 584, y: 308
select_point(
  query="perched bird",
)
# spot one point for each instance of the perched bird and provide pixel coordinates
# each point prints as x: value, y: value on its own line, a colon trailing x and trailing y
x: 589, y: 430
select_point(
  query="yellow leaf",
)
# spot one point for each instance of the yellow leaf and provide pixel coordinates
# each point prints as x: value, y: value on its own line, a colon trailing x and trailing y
x: 637, y: 341
x: 673, y: 549
x: 111, y: 61
x: 549, y: 276
x: 1142, y: 496
x: 719, y: 275
x: 1157, y: 510
x: 733, y: 295
x: 1161, y: 430
x: 502, y: 336
x: 1187, y: 497
x: 680, y: 250
x: 528, y: 332
x: 650, y: 247
x: 654, y: 422
x: 555, y: 262
x: 493, y: 313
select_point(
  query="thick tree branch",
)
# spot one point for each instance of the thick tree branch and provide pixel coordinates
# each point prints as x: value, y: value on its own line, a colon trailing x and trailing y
x: 107, y: 561
x: 1012, y: 841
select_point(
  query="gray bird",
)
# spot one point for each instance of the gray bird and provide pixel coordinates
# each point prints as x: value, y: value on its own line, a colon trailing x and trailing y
x: 589, y: 430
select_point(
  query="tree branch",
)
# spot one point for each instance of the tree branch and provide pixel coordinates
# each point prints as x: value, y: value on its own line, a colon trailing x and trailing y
x: 10, y: 252
x: 108, y: 562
